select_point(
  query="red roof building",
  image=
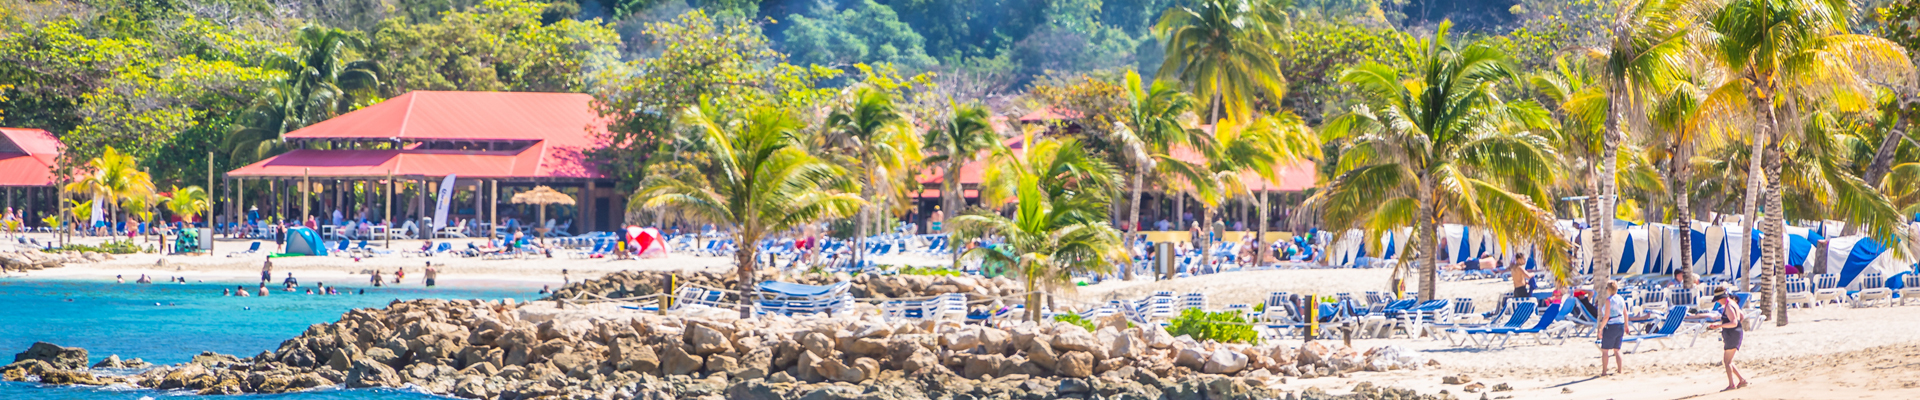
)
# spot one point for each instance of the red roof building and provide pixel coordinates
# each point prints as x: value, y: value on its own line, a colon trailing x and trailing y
x: 490, y: 141
x: 27, y: 158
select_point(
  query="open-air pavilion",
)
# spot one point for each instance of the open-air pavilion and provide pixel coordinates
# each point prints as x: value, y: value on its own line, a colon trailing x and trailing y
x: 27, y: 158
x: 386, y: 163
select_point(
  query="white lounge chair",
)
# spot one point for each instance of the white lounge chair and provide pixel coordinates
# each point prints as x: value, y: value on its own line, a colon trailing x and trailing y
x: 1912, y: 289
x: 1827, y: 291
x: 1797, y: 294
x: 1873, y: 298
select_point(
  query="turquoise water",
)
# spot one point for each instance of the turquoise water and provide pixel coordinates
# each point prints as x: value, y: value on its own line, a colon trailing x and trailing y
x: 169, y: 323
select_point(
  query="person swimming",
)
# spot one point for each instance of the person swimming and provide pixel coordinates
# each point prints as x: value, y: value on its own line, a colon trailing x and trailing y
x: 240, y: 291
x: 544, y: 290
x: 226, y: 292
x: 263, y: 290
x: 119, y: 279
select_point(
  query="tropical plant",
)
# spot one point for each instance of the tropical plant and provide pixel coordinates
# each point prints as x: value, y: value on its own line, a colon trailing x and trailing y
x: 1648, y: 39
x: 1153, y: 121
x: 1234, y: 149
x: 319, y: 83
x: 956, y: 141
x: 883, y: 147
x: 1222, y: 327
x: 115, y: 179
x: 1222, y: 51
x: 1441, y: 146
x: 1059, y: 226
x: 1794, y: 53
x: 761, y: 182
x: 188, y: 202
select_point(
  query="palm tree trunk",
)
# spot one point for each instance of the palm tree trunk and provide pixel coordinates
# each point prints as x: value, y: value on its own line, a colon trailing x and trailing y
x: 1771, y: 257
x: 1429, y: 222
x: 1206, y: 238
x: 1260, y: 242
x: 1033, y: 298
x: 1133, y: 224
x: 745, y: 260
x: 949, y: 189
x: 1609, y: 170
x: 1677, y: 167
x: 1596, y: 249
x: 1882, y: 160
x: 1750, y: 210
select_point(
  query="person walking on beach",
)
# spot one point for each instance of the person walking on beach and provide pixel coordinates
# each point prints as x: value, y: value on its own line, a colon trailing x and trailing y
x: 1730, y: 335
x: 266, y: 272
x: 1615, y: 308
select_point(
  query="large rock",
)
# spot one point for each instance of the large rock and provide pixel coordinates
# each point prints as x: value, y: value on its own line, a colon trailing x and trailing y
x: 1191, y: 357
x: 676, y: 361
x: 921, y: 360
x: 1225, y: 362
x: 1077, y: 364
x: 1127, y: 346
x: 1042, y: 354
x: 833, y: 370
x: 995, y: 340
x: 868, y: 347
x: 707, y: 341
x: 631, y: 355
x: 55, y: 356
x: 1156, y: 337
x: 112, y: 361
x: 1074, y: 340
x: 980, y: 366
x: 366, y: 373
x: 817, y: 343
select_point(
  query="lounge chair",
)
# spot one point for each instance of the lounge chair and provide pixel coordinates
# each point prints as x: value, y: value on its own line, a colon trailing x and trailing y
x: 784, y: 298
x: 1873, y: 298
x: 1912, y: 289
x: 1827, y: 290
x: 1797, y: 294
x: 1197, y: 301
x: 251, y: 250
x: 1675, y: 317
x: 1522, y: 311
x: 1553, y: 314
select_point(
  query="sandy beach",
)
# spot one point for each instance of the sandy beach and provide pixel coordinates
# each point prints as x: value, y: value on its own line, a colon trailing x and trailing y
x: 1830, y: 352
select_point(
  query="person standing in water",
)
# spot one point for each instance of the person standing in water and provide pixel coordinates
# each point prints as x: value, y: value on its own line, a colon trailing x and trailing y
x: 375, y: 280
x: 240, y: 291
x: 398, y: 274
x: 266, y: 272
x: 432, y: 274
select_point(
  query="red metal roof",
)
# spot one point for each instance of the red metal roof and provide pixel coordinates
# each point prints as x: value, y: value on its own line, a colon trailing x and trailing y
x: 1293, y: 178
x: 561, y: 125
x: 27, y: 157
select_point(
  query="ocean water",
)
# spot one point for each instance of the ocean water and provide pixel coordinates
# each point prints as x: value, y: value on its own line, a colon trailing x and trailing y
x: 167, y: 323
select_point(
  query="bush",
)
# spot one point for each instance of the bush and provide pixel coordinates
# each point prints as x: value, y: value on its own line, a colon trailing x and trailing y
x: 1224, y: 327
x: 1076, y: 320
x: 929, y: 271
x: 110, y: 247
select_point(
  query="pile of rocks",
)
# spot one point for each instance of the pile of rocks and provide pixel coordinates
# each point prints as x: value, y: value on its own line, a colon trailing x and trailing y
x: 32, y: 260
x: 640, y: 283
x: 475, y: 349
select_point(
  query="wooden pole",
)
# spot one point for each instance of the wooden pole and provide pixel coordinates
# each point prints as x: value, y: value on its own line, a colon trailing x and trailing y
x: 306, y: 191
x: 208, y: 238
x: 389, y: 205
x: 493, y: 208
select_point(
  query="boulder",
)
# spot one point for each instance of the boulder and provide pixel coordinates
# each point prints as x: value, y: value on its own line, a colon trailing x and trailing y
x: 1074, y: 340
x: 366, y: 373
x: 676, y: 361
x: 1077, y: 364
x: 1156, y: 337
x: 719, y: 363
x: 817, y: 343
x: 112, y: 361
x: 1312, y: 354
x: 631, y: 355
x: 55, y: 356
x: 964, y: 341
x: 707, y: 341
x: 921, y: 360
x: 980, y: 366
x: 870, y: 368
x: 1225, y: 362
x: 833, y: 370
x: 1191, y: 357
x: 1042, y: 354
x: 995, y: 340
x: 867, y: 347
x: 1127, y: 346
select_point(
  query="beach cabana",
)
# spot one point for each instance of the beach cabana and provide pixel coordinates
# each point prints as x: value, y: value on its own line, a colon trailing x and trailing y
x: 1855, y: 256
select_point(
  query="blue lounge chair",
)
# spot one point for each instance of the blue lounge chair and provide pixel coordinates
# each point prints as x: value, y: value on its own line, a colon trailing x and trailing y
x: 1522, y: 311
x: 1675, y: 317
x: 251, y: 250
x: 1553, y: 314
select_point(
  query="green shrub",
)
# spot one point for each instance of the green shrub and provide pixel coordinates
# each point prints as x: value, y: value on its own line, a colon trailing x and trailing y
x: 1224, y: 327
x: 110, y: 247
x: 1076, y: 320
x: 929, y: 271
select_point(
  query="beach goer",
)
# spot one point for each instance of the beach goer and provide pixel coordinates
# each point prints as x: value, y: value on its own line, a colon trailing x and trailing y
x: 119, y: 279
x: 432, y: 274
x: 240, y: 291
x: 375, y: 279
x: 1521, y: 281
x: 263, y: 290
x: 564, y: 278
x: 1615, y: 308
x: 1730, y: 335
x: 937, y: 221
x: 398, y: 274
x: 545, y: 290
x: 226, y: 292
x: 266, y: 272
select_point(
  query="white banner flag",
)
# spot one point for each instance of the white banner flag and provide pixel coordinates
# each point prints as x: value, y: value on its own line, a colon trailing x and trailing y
x: 440, y: 210
x: 96, y: 216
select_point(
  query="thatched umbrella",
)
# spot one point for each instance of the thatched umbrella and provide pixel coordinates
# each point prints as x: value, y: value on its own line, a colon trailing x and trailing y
x: 542, y: 196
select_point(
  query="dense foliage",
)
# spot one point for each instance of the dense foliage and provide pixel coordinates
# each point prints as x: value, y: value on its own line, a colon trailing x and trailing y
x: 1223, y: 326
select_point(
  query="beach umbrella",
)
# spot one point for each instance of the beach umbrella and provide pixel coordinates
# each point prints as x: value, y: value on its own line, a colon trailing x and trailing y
x: 542, y: 196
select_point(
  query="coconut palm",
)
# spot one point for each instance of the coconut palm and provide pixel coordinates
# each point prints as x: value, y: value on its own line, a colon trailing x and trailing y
x: 1679, y: 123
x: 188, y: 202
x: 952, y: 144
x: 1059, y: 225
x: 319, y: 83
x: 883, y: 147
x: 1645, y: 50
x: 761, y: 182
x: 1234, y: 149
x: 1440, y: 146
x: 114, y: 178
x: 1153, y: 120
x: 1222, y: 51
x: 1796, y: 53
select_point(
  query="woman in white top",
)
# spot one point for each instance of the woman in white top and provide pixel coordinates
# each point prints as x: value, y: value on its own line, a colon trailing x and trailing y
x: 1615, y: 310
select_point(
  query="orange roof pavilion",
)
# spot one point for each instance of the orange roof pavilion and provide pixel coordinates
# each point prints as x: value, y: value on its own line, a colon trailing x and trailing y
x: 27, y: 157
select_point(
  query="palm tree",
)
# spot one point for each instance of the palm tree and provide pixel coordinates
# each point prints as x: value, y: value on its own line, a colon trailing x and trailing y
x: 1441, y: 146
x: 188, y: 202
x: 1790, y: 52
x: 115, y: 179
x: 1059, y: 225
x: 761, y: 182
x: 1645, y: 51
x: 1153, y: 121
x: 875, y: 134
x: 1231, y: 150
x: 319, y: 83
x: 1222, y: 51
x: 955, y: 142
